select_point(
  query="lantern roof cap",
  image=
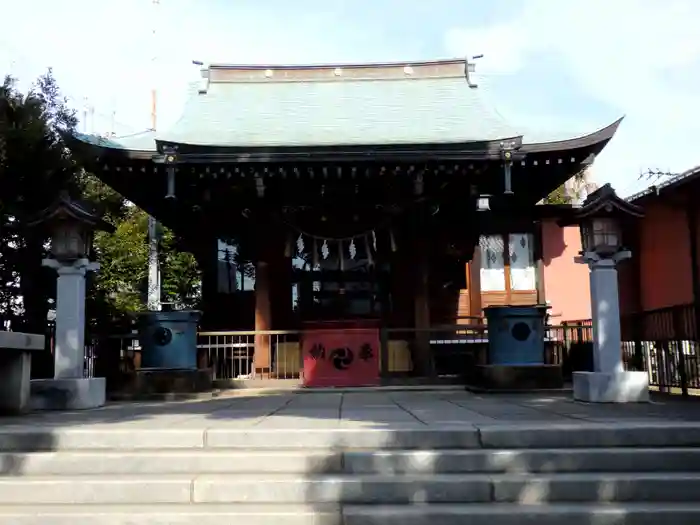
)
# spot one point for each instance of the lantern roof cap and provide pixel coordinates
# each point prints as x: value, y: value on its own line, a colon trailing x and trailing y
x: 605, y: 201
x: 65, y: 208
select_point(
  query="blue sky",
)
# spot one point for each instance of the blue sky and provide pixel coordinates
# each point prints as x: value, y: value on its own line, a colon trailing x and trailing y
x: 549, y: 65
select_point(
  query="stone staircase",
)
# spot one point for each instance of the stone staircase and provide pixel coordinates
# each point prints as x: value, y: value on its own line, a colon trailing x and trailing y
x: 588, y: 474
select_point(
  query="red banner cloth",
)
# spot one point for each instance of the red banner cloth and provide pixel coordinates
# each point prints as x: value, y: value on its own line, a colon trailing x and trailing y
x: 341, y: 357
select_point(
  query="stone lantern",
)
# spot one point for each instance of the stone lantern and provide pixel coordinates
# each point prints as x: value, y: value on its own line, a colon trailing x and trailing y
x: 71, y: 227
x: 601, y: 219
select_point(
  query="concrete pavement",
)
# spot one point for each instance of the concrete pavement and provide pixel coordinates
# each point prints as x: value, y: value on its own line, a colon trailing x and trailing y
x: 357, y: 410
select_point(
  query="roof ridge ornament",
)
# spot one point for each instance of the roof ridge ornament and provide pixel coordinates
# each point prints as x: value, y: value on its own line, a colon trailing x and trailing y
x: 470, y: 67
x: 205, y: 77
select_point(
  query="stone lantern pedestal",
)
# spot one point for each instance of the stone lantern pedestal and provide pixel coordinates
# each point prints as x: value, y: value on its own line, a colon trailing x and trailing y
x: 602, y: 219
x: 71, y: 227
x: 609, y: 382
x: 69, y: 389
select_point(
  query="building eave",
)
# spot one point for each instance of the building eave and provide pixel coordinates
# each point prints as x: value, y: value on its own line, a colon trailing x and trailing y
x: 600, y: 137
x: 671, y: 184
x: 473, y: 150
x: 98, y: 147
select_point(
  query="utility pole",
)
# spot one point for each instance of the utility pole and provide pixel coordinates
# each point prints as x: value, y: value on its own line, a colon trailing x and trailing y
x: 154, y: 291
x: 85, y: 115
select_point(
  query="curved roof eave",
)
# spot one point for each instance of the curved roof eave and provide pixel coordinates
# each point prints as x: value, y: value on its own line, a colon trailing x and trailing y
x: 119, y: 146
x: 597, y: 137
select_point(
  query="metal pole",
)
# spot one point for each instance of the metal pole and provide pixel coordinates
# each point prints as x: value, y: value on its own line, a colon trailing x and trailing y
x: 154, y: 291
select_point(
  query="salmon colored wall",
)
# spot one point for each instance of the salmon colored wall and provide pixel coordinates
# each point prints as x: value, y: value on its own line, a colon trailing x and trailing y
x: 664, y: 257
x: 566, y: 283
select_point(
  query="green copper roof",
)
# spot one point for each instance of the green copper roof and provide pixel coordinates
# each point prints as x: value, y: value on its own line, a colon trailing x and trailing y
x: 346, y: 112
x: 428, y: 103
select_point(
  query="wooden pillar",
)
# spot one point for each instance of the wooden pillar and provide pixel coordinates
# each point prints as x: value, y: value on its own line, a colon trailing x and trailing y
x: 263, y: 319
x: 538, y: 253
x: 474, y: 269
x: 422, y: 359
x: 206, y: 254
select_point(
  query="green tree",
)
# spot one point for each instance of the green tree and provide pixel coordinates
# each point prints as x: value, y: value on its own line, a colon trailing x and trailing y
x: 558, y: 196
x: 561, y: 195
x: 34, y: 166
x: 123, y: 277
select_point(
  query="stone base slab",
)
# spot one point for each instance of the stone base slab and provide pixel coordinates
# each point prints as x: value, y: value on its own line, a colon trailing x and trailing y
x: 518, y: 377
x: 619, y: 387
x: 153, y: 383
x: 68, y: 394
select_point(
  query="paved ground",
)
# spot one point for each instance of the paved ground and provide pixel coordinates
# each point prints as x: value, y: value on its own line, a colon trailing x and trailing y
x: 375, y: 409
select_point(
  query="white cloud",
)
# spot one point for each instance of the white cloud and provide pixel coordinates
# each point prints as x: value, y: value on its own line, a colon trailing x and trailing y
x: 623, y: 53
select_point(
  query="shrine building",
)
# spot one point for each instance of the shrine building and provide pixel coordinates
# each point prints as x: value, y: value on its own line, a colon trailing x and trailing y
x: 387, y: 193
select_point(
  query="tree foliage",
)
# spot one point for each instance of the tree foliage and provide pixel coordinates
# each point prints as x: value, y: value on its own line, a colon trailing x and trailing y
x: 558, y: 196
x: 123, y: 255
x: 35, y: 165
x: 561, y: 195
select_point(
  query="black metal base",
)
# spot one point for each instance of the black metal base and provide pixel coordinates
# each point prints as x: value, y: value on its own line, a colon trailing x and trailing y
x: 517, y: 377
x: 150, y: 383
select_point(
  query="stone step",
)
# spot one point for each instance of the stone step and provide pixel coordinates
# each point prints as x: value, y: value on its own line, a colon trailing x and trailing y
x: 472, y: 514
x: 357, y: 489
x: 389, y: 462
x: 468, y: 437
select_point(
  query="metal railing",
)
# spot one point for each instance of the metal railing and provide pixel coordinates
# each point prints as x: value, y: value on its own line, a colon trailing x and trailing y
x: 451, y: 349
x: 277, y: 354
x: 272, y: 354
x: 664, y: 343
x: 569, y: 345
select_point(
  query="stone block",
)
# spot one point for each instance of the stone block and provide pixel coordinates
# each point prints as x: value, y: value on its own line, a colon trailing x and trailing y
x: 15, y: 378
x: 618, y: 387
x: 517, y: 514
x: 422, y: 462
x: 168, y: 462
x: 344, y: 490
x: 586, y: 487
x: 317, y: 514
x: 15, y: 370
x: 518, y: 377
x: 117, y: 439
x: 68, y: 394
x: 520, y: 436
x: 21, y: 341
x: 175, y: 514
x: 366, y: 438
x: 94, y: 490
